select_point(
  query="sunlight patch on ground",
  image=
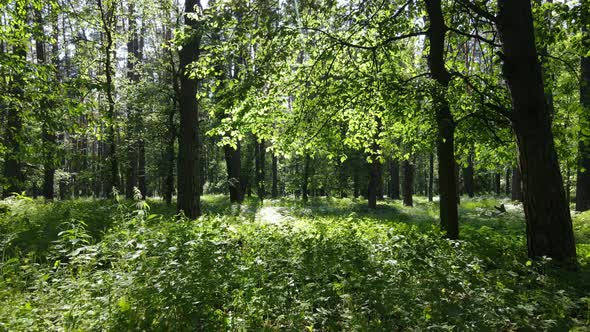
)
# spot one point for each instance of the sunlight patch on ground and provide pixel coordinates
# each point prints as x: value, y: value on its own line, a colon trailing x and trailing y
x: 272, y: 215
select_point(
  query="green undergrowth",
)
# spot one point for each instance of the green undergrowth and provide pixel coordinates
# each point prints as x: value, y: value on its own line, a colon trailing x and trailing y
x: 329, y: 265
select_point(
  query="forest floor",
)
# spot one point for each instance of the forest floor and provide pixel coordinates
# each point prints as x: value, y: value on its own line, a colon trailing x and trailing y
x: 329, y: 265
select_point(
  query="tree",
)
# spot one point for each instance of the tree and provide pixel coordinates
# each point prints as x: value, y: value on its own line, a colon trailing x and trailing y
x: 583, y: 179
x: 108, y: 18
x: 188, y: 200
x: 449, y: 217
x: 549, y: 224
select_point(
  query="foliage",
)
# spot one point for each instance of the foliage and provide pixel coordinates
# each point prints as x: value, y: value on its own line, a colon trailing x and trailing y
x: 331, y: 265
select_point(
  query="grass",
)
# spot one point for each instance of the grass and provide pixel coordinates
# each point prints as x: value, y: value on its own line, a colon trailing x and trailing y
x: 329, y: 265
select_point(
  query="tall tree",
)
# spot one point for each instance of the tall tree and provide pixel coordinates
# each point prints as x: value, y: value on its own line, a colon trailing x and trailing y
x: 549, y: 224
x: 583, y: 177
x: 189, y: 170
x: 108, y: 20
x: 449, y: 217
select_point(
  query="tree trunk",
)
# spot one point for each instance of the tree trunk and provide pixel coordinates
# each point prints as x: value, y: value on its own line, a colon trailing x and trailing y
x: 107, y: 15
x: 234, y: 166
x: 304, y: 182
x: 468, y: 177
x: 507, y: 180
x: 275, y: 177
x: 189, y: 145
x: 430, y: 176
x: 516, y: 185
x: 549, y: 224
x: 47, y: 135
x: 394, y: 179
x: 374, y: 178
x: 408, y: 183
x: 260, y: 163
x: 497, y: 183
x: 583, y: 176
x: 449, y: 217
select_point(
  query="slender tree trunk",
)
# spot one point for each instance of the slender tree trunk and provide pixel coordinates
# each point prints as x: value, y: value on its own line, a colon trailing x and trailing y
x: 107, y: 16
x: 430, y: 176
x: 516, y: 185
x: 468, y: 177
x: 306, y: 173
x: 374, y: 178
x: 449, y: 217
x: 169, y: 156
x: 394, y: 179
x: 356, y: 190
x: 507, y: 180
x: 189, y: 145
x: 408, y: 183
x: 171, y: 130
x: 260, y: 163
x: 497, y: 183
x: 275, y: 177
x: 583, y: 176
x: 549, y: 224
x: 233, y: 164
x: 47, y: 135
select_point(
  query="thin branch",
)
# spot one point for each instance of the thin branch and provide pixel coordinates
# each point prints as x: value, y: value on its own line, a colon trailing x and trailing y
x: 475, y: 36
x: 364, y: 47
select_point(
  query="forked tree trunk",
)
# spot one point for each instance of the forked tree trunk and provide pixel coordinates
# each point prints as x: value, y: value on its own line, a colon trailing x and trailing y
x: 549, y: 224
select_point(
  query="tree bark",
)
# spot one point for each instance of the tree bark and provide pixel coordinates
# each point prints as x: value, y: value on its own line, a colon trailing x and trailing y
x: 374, y: 178
x: 234, y: 166
x: 468, y: 177
x: 583, y: 175
x: 408, y: 183
x: 449, y: 217
x: 497, y: 183
x: 549, y: 224
x: 171, y: 131
x: 430, y: 176
x: 394, y: 179
x: 516, y: 185
x: 47, y: 135
x: 107, y: 16
x: 189, y: 145
x: 508, y: 173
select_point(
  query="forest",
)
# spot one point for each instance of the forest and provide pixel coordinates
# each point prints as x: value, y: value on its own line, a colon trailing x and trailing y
x: 295, y: 165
